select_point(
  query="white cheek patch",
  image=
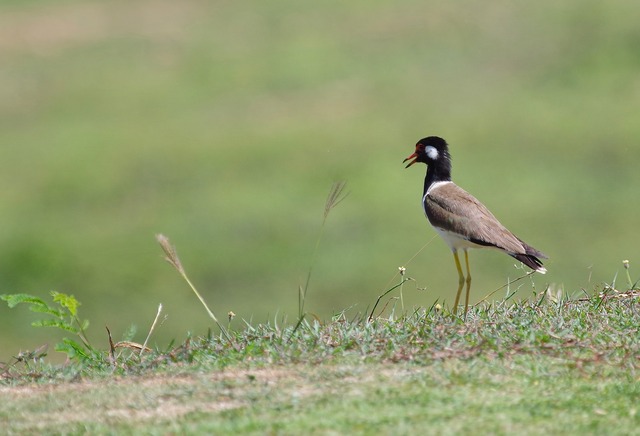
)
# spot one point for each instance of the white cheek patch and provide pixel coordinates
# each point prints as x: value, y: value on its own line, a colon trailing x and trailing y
x: 431, y: 152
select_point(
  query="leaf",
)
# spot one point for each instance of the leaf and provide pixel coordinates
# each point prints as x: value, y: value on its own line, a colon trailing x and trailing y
x: 47, y: 309
x: 130, y: 332
x: 35, y: 304
x: 69, y: 302
x: 55, y: 323
x: 84, y: 325
x: 14, y: 299
x: 72, y: 349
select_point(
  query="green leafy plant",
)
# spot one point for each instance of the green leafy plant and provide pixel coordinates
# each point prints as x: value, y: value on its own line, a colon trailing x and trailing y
x: 62, y: 314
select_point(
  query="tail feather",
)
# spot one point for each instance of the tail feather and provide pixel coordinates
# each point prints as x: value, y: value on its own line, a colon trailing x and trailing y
x: 532, y: 251
x: 531, y: 261
x: 531, y: 258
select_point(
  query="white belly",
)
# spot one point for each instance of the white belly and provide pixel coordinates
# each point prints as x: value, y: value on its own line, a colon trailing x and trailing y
x: 455, y: 241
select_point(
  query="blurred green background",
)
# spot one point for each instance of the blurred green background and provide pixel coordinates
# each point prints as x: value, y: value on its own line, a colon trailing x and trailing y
x: 223, y: 124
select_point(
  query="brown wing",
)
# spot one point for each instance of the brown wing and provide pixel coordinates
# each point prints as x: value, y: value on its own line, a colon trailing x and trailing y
x: 450, y: 207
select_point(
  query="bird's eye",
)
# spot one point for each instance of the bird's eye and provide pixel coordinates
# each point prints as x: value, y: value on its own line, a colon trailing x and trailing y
x: 431, y: 152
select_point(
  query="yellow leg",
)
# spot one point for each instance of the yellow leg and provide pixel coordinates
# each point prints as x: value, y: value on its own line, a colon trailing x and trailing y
x: 466, y: 302
x: 460, y: 280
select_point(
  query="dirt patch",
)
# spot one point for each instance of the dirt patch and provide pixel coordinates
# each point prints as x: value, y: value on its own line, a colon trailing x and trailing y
x: 172, y: 397
x: 142, y: 398
x: 266, y: 375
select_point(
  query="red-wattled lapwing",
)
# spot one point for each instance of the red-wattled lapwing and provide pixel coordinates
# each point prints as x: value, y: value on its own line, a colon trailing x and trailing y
x: 461, y: 220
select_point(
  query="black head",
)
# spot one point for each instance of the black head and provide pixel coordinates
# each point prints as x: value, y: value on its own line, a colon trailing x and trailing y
x: 431, y: 150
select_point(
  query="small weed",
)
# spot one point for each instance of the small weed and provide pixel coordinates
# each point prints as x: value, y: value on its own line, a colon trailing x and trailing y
x: 63, y: 314
x: 630, y: 283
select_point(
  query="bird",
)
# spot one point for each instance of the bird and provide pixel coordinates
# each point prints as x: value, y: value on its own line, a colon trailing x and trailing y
x: 460, y: 219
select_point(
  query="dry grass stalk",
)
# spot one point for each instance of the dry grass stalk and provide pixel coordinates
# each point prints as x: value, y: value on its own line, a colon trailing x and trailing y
x: 336, y: 195
x: 171, y: 256
x: 153, y: 326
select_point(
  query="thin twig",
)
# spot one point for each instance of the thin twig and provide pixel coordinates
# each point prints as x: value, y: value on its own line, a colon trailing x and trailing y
x: 410, y: 260
x: 112, y: 348
x: 404, y: 279
x: 153, y: 326
x: 504, y: 286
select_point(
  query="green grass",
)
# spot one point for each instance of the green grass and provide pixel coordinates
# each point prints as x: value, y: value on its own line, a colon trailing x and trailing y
x: 223, y: 125
x: 548, y: 365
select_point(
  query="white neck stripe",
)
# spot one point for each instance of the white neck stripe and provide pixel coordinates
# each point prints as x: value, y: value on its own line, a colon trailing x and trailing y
x: 436, y: 185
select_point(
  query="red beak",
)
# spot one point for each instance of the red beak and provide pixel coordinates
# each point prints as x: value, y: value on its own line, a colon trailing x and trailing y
x: 414, y: 156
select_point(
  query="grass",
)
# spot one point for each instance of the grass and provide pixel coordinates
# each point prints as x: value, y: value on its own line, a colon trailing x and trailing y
x: 544, y: 365
x: 547, y: 364
x: 223, y: 125
x: 356, y: 399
